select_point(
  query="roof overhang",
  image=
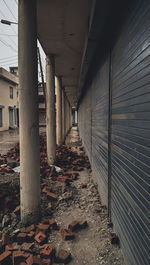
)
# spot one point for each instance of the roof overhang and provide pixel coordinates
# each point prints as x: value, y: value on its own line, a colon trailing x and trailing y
x: 63, y: 28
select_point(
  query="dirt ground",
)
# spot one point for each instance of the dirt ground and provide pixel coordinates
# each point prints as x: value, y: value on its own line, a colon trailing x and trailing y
x: 91, y: 245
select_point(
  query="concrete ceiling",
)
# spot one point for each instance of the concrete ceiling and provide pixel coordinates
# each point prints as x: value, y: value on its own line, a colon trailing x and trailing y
x: 63, y: 27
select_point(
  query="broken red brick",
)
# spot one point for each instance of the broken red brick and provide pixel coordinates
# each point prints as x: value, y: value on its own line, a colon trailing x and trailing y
x: 46, y: 189
x: 5, y: 258
x: 74, y: 225
x: 43, y: 184
x: 51, y: 195
x: 114, y: 238
x: 43, y: 227
x: 32, y: 260
x: 5, y: 239
x: 40, y: 237
x: 19, y: 256
x: 67, y: 234
x: 17, y: 210
x: 53, y: 224
x: 11, y: 247
x: 47, y: 252
x: 30, y: 236
x: 63, y: 256
x: 21, y: 238
x: 30, y: 228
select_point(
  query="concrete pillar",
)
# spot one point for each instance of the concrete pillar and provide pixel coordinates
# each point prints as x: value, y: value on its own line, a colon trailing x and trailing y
x: 59, y: 110
x: 28, y: 111
x: 50, y: 109
x: 70, y: 116
x: 63, y: 116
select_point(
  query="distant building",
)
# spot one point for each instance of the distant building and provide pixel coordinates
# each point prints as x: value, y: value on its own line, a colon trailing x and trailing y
x: 9, y: 114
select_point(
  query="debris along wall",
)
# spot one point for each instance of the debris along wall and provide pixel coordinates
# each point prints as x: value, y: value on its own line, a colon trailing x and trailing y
x: 128, y: 85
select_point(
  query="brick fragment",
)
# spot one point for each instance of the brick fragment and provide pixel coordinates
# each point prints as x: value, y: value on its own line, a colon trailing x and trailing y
x: 5, y: 258
x: 11, y: 247
x: 63, y: 256
x: 17, y: 210
x: 19, y: 256
x: 32, y: 260
x: 43, y: 227
x: 21, y: 238
x: 46, y: 189
x: 30, y: 228
x: 30, y: 236
x: 67, y: 234
x: 114, y: 238
x: 51, y: 195
x: 5, y: 239
x: 48, y: 251
x: 53, y: 224
x: 43, y: 184
x: 74, y: 225
x: 40, y: 237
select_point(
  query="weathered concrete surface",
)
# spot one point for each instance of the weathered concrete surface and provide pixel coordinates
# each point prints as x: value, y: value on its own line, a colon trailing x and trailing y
x: 28, y: 112
x: 50, y: 109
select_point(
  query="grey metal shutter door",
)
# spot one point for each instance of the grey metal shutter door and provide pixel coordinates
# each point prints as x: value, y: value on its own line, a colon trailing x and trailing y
x: 87, y: 123
x: 131, y: 136
x: 1, y: 119
x: 100, y: 104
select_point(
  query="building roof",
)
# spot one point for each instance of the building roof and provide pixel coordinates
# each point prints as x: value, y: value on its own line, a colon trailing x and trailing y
x: 8, y: 77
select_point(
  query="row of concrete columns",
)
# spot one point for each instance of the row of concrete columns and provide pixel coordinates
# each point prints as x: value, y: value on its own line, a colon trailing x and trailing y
x: 28, y: 100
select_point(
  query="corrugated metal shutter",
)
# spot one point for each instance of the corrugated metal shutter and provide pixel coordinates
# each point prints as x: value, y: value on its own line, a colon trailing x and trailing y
x: 100, y: 105
x: 131, y: 136
x: 87, y: 123
x: 84, y: 122
x: 1, y: 120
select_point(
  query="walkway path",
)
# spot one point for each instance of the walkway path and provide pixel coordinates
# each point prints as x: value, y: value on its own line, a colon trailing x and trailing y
x: 91, y: 246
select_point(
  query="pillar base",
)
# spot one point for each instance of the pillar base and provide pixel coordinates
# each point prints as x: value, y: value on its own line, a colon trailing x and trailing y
x: 30, y: 217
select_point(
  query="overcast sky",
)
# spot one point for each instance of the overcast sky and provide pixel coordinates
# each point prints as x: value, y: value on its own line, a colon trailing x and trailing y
x: 9, y: 35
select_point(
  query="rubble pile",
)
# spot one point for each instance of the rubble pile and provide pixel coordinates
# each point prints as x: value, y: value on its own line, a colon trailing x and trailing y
x: 32, y: 244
